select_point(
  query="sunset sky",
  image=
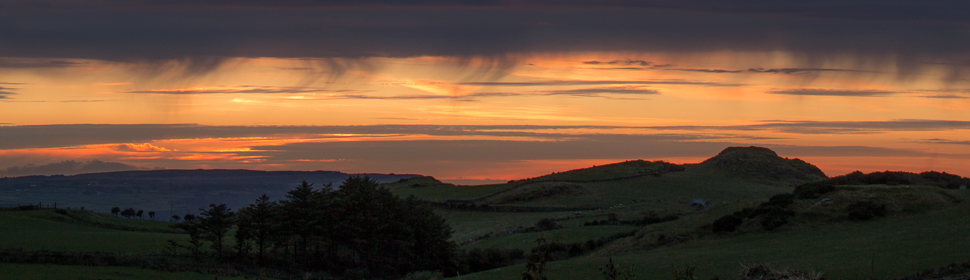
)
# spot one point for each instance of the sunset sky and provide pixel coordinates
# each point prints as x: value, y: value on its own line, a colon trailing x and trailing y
x: 480, y: 89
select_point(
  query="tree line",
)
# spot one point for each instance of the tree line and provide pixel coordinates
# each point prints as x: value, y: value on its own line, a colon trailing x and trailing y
x: 359, y: 230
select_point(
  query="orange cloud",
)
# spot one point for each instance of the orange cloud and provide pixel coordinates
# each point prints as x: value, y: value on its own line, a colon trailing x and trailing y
x: 146, y: 147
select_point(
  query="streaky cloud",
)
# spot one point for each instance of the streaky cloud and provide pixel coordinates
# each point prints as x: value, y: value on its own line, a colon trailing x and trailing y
x: 68, y: 135
x: 832, y: 92
x: 594, y: 92
x: 800, y: 70
x: 646, y: 147
x: 600, y: 82
x: 945, y: 141
x: 38, y: 63
x: 239, y: 89
x: 945, y: 96
x: 620, y: 62
x: 838, y: 127
x: 786, y: 71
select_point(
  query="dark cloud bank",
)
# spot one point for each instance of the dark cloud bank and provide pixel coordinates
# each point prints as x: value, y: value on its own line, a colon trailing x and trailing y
x: 905, y: 33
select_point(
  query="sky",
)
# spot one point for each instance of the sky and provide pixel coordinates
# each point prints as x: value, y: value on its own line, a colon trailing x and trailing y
x: 479, y: 89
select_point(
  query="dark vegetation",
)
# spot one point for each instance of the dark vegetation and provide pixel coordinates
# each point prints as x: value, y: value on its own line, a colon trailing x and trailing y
x: 649, y: 219
x: 777, y: 211
x: 773, y: 214
x: 477, y: 259
x: 357, y: 231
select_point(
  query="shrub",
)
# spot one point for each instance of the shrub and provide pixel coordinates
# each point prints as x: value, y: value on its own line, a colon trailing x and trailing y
x: 865, y: 210
x: 727, y: 223
x: 781, y: 200
x: 775, y: 218
x: 813, y: 190
x: 424, y: 275
x: 547, y: 224
x: 765, y: 272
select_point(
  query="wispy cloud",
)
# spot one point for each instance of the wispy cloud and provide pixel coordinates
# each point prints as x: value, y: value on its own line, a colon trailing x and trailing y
x: 840, y: 127
x: 42, y: 136
x: 597, y: 92
x: 5, y: 92
x: 38, y: 63
x: 619, y: 62
x: 946, y: 96
x: 945, y: 141
x: 600, y: 82
x: 602, y: 92
x: 832, y: 92
x: 146, y: 147
x: 787, y: 71
x: 247, y: 89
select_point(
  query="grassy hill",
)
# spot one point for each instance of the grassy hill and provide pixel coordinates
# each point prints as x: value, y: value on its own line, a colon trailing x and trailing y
x: 629, y: 190
x: 82, y: 231
x: 896, y: 245
x: 887, y: 224
x: 781, y: 211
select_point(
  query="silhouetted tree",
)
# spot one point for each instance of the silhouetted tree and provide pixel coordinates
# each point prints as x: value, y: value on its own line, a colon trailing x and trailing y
x: 176, y: 218
x: 359, y: 231
x: 261, y: 221
x: 192, y: 227
x: 536, y: 268
x: 139, y: 213
x: 301, y: 219
x: 216, y: 223
x: 151, y: 214
x: 128, y: 213
x: 115, y: 210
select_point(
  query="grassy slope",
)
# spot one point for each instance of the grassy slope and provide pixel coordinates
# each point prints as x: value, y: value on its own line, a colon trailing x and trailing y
x: 57, y: 272
x: 897, y: 245
x: 663, y: 192
x: 525, y: 241
x: 659, y: 194
x: 428, y: 188
x: 46, y: 230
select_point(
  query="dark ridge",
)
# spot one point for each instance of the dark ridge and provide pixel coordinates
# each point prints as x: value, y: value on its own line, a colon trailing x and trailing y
x: 763, y: 164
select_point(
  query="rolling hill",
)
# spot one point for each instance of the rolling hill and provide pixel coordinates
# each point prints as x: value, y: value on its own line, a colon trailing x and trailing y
x: 745, y: 206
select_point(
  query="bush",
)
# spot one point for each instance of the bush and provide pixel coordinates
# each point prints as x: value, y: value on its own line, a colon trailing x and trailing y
x: 812, y: 190
x: 781, y: 200
x: 727, y: 223
x: 765, y: 272
x: 479, y: 260
x: 865, y: 210
x: 424, y: 275
x: 775, y: 218
x: 547, y: 224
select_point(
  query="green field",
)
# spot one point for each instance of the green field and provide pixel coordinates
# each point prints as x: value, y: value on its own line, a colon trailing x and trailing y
x: 895, y: 246
x: 525, y: 241
x: 58, y: 272
x: 47, y: 230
